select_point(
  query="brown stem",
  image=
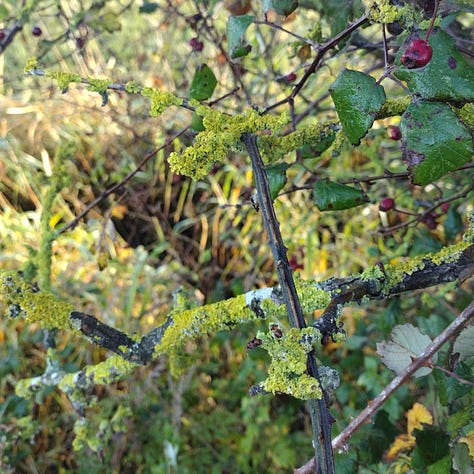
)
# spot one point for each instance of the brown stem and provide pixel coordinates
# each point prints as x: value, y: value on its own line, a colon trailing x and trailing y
x: 320, y: 416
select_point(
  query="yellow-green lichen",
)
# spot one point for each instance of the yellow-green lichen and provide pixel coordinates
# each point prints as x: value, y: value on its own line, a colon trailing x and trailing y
x: 160, y: 100
x: 106, y: 372
x: 394, y: 274
x: 394, y: 107
x: 466, y: 114
x: 31, y: 65
x: 372, y: 273
x: 190, y: 324
x: 132, y: 87
x: 35, y: 306
x: 97, y: 85
x: 221, y: 133
x: 311, y: 296
x: 275, y: 147
x: 287, y: 371
x: 385, y: 12
x: 63, y: 79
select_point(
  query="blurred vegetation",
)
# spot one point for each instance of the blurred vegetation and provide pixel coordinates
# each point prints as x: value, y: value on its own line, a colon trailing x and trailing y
x: 161, y: 231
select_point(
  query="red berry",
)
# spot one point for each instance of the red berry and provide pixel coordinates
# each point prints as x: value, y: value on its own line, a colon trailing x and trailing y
x: 386, y: 204
x: 2, y: 35
x: 394, y: 132
x: 417, y: 54
x: 430, y: 222
x: 196, y: 44
x: 80, y: 42
x: 36, y: 31
x: 291, y: 77
x: 445, y: 207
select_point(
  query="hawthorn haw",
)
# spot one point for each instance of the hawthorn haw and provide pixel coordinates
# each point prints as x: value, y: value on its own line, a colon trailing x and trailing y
x: 2, y: 35
x: 291, y: 77
x: 196, y: 44
x: 394, y: 132
x: 445, y: 207
x: 417, y: 54
x: 386, y: 204
x: 36, y: 31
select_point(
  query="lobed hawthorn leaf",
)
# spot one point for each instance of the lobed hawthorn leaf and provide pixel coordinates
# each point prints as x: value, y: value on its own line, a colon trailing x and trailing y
x: 330, y: 196
x: 203, y: 84
x: 434, y: 141
x: 236, y: 28
x: 358, y: 99
x: 448, y: 76
x: 408, y: 344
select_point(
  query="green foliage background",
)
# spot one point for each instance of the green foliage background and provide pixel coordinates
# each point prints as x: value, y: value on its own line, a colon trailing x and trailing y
x: 163, y: 231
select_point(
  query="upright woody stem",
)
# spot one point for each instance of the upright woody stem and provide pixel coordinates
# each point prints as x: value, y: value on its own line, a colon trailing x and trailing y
x: 320, y: 416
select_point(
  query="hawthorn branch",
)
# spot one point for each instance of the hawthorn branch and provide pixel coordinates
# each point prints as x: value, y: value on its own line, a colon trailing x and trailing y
x: 321, y: 418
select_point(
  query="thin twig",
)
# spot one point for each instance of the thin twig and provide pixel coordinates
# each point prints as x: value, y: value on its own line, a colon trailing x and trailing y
x: 322, y: 50
x: 112, y: 189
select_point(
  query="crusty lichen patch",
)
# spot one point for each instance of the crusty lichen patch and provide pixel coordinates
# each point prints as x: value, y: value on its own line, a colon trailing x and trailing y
x: 33, y: 305
x: 289, y: 353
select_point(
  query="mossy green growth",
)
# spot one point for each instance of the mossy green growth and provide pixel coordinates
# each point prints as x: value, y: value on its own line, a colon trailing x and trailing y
x: 274, y: 148
x: 63, y: 79
x: 311, y: 295
x: 466, y: 114
x: 192, y: 323
x: 160, y: 100
x: 394, y: 274
x: 133, y: 88
x: 34, y: 306
x: 221, y: 133
x: 97, y: 85
x: 384, y: 11
x: 394, y: 107
x: 287, y: 371
x: 31, y: 65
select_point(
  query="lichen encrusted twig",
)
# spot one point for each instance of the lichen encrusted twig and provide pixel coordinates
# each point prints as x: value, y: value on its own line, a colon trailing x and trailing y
x: 22, y: 299
x: 320, y: 416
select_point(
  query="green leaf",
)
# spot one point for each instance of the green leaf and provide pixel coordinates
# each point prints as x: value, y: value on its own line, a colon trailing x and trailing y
x: 432, y: 444
x: 311, y: 150
x: 203, y: 84
x: 282, y: 7
x: 448, y: 76
x: 276, y: 178
x: 330, y: 196
x: 196, y: 123
x: 358, y: 99
x: 408, y: 344
x: 236, y: 28
x: 148, y: 7
x: 464, y: 343
x: 453, y: 224
x: 434, y: 141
